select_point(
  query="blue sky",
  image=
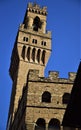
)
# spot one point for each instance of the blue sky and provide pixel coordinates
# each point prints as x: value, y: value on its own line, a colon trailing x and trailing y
x: 64, y: 22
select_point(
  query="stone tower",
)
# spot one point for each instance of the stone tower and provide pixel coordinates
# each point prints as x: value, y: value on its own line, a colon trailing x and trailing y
x: 31, y: 50
x: 37, y: 103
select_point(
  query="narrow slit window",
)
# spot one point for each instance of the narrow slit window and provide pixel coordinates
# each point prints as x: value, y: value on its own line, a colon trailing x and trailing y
x: 28, y: 53
x: 33, y: 54
x: 23, y: 38
x: 23, y: 52
x: 38, y: 55
x: 43, y: 57
x: 44, y: 43
x: 26, y: 39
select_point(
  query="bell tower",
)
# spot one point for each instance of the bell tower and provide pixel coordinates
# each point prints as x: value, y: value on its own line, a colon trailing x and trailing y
x: 31, y: 50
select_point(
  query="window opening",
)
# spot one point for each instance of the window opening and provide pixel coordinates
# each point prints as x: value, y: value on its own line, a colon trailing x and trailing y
x: 54, y: 124
x: 46, y: 97
x: 33, y: 54
x: 66, y: 98
x: 43, y: 43
x: 43, y: 57
x: 34, y: 41
x: 23, y: 52
x: 25, y: 39
x: 37, y: 23
x: 40, y: 124
x: 28, y: 53
x: 38, y: 55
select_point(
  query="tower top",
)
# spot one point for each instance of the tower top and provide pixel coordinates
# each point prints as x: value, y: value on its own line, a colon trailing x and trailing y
x: 35, y: 8
x: 35, y: 18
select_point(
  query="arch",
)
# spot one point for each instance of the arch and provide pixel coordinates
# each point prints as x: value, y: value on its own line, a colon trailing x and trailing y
x: 46, y: 97
x: 38, y: 55
x: 66, y: 98
x: 36, y: 23
x: 43, y: 56
x: 33, y: 54
x: 28, y: 53
x: 40, y: 124
x: 54, y: 124
x: 23, y: 52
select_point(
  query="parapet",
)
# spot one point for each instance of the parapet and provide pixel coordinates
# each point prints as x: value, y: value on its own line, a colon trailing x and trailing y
x: 72, y: 75
x: 33, y: 74
x: 53, y: 77
x: 37, y: 9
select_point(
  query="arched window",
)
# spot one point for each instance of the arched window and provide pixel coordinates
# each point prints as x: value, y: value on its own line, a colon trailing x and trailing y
x: 37, y: 23
x: 40, y: 124
x: 46, y: 97
x: 23, y: 52
x: 38, y: 55
x: 54, y: 124
x: 33, y: 54
x: 43, y: 57
x: 66, y: 98
x: 28, y: 53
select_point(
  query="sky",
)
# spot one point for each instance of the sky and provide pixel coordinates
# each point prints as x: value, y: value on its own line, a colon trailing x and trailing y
x: 63, y: 21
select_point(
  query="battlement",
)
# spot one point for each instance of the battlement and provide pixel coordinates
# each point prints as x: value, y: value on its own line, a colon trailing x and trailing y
x: 53, y: 77
x: 35, y: 8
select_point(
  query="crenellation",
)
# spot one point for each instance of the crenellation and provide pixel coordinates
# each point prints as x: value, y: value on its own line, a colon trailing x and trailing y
x: 33, y: 74
x: 72, y: 76
x: 31, y: 5
x: 37, y: 9
x: 53, y: 77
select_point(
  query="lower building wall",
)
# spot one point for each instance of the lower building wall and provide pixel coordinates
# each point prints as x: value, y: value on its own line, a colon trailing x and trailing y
x: 29, y: 126
x: 46, y: 114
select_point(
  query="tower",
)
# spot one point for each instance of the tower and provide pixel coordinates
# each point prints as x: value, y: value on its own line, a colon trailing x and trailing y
x: 31, y: 50
x: 37, y: 102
